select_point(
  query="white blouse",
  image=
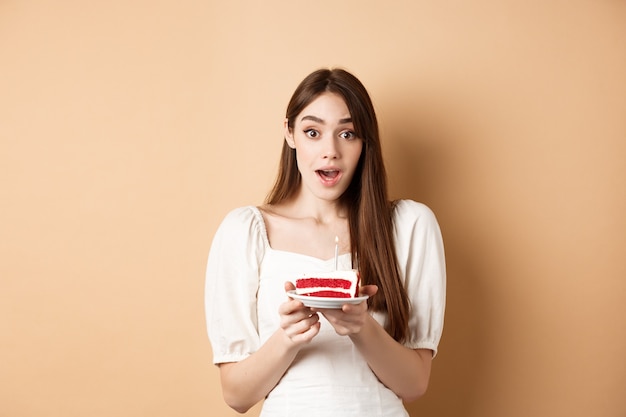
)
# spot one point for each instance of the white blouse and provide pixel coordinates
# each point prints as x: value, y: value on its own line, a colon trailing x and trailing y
x: 329, y: 377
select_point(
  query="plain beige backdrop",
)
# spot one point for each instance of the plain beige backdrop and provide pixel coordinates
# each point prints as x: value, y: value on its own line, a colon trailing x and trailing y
x: 129, y: 128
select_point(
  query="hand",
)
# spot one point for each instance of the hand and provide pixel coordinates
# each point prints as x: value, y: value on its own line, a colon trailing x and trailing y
x: 351, y: 318
x: 299, y: 323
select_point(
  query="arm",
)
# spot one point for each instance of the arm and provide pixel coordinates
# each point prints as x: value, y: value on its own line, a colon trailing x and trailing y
x: 247, y: 382
x: 403, y: 370
x: 420, y: 253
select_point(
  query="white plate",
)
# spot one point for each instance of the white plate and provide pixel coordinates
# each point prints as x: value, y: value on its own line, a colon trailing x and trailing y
x: 325, y: 302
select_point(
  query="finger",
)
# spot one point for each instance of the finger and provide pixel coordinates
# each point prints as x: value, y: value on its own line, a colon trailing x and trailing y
x: 355, y: 308
x: 369, y: 290
x: 301, y: 326
x: 293, y: 310
x: 289, y: 286
x: 289, y: 306
x: 307, y: 335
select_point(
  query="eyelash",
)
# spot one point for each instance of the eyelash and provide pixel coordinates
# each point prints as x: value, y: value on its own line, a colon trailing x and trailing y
x: 351, y: 134
x: 308, y: 132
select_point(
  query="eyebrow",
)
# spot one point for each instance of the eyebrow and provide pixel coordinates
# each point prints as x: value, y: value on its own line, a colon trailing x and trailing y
x: 321, y: 121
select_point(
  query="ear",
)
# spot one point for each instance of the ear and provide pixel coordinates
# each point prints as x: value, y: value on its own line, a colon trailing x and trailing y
x: 289, y: 135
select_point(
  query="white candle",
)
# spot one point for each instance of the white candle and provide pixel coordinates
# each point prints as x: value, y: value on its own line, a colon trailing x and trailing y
x: 336, y: 250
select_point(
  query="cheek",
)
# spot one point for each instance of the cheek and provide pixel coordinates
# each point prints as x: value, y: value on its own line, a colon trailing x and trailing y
x: 302, y: 156
x: 356, y: 154
x: 304, y: 161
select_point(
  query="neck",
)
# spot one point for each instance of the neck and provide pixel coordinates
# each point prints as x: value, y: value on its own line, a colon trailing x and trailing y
x: 304, y: 205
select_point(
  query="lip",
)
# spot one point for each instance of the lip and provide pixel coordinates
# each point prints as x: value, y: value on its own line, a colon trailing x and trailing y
x: 329, y: 181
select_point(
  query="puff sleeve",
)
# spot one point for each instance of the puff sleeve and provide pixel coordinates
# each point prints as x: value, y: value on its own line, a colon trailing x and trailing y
x: 232, y: 280
x: 420, y: 250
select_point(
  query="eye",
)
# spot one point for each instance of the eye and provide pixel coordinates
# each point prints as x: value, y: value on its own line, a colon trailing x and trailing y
x: 348, y: 135
x: 311, y: 133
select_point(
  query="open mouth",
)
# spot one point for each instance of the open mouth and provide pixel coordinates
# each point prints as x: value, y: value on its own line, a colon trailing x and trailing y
x: 327, y: 175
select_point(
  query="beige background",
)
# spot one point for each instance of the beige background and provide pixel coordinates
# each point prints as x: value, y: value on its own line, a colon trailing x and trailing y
x: 129, y: 128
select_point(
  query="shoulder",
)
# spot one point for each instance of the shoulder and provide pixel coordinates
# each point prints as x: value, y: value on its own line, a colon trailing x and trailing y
x: 407, y: 212
x: 241, y: 215
x: 245, y: 220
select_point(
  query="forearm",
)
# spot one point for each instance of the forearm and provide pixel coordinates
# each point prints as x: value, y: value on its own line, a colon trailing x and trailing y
x: 247, y: 382
x: 405, y: 371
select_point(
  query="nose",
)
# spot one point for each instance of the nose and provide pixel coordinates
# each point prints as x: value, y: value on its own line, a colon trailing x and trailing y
x: 330, y: 150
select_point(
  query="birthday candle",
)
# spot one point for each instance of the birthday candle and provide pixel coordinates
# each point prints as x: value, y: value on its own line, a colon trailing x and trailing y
x: 336, y: 250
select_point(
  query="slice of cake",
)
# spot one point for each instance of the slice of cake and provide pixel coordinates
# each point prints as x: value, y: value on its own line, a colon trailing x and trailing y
x: 336, y: 284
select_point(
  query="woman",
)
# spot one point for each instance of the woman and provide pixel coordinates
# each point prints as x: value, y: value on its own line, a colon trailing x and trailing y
x: 359, y: 360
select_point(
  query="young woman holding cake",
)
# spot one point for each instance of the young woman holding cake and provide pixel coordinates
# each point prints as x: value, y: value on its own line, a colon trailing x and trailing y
x: 361, y: 359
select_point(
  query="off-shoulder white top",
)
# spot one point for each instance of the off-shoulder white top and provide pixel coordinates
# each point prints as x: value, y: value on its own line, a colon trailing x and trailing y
x: 245, y: 285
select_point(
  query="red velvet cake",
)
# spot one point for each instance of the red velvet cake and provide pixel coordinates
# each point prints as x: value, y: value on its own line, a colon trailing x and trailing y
x: 336, y: 284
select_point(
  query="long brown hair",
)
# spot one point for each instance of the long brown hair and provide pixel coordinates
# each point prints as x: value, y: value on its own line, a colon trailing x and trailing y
x: 368, y: 207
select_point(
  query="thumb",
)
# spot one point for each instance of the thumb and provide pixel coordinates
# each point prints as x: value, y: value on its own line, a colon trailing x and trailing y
x: 289, y: 286
x: 368, y: 290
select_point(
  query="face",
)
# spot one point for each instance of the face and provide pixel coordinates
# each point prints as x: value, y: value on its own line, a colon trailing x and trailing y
x: 327, y: 148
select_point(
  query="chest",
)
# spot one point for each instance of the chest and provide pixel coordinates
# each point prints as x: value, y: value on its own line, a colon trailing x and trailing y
x: 308, y: 237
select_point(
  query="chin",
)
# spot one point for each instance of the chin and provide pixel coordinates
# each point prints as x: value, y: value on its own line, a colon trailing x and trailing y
x: 330, y: 197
